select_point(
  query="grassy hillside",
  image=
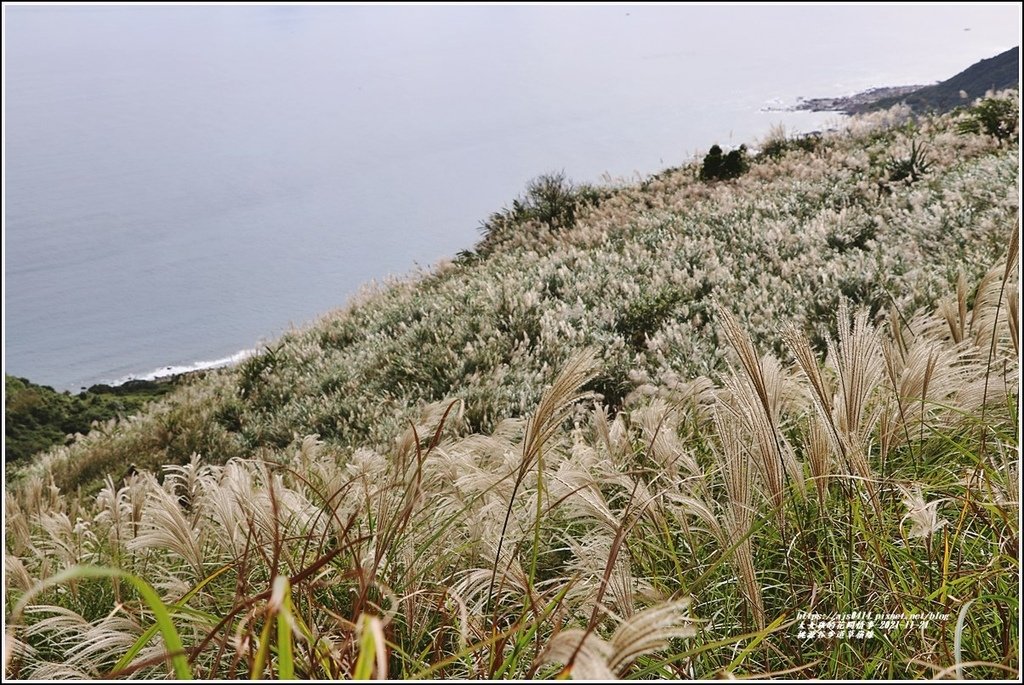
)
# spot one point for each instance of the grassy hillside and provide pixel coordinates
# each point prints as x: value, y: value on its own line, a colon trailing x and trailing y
x: 640, y: 431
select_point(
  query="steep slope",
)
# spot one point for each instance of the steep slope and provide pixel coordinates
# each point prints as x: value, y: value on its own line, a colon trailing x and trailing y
x: 635, y: 277
x: 684, y: 435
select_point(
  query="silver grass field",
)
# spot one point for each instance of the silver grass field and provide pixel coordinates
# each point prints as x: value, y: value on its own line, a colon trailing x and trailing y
x: 650, y: 443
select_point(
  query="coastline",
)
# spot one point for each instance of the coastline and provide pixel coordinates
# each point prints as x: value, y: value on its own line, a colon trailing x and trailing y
x: 165, y: 373
x: 37, y: 416
x: 847, y: 104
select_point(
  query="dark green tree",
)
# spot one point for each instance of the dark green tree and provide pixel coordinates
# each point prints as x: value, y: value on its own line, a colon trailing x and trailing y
x: 717, y: 166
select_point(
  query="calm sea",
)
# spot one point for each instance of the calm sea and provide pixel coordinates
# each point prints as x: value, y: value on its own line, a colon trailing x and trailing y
x: 183, y: 183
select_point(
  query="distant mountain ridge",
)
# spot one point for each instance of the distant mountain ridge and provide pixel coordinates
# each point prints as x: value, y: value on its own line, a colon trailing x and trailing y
x: 995, y: 73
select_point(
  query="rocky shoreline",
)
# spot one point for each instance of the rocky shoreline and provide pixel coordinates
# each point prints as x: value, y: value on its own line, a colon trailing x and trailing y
x: 847, y: 104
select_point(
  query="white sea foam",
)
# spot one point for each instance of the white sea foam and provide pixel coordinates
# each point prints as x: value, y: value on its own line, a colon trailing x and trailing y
x: 166, y: 371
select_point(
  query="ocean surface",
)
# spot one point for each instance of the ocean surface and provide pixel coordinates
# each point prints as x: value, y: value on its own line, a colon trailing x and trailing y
x: 184, y: 183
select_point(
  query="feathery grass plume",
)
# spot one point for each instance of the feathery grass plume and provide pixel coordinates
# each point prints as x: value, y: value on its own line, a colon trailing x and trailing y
x: 987, y: 304
x: 552, y: 410
x: 987, y: 362
x: 588, y: 653
x: 476, y: 585
x: 165, y: 527
x: 37, y: 495
x: 18, y: 534
x: 16, y: 576
x: 998, y: 388
x: 822, y: 392
x: 112, y: 635
x: 658, y: 422
x: 16, y: 654
x: 783, y: 392
x: 924, y: 378
x: 225, y: 506
x: 64, y: 541
x: 759, y: 401
x: 187, y: 481
x: 86, y: 647
x: 760, y: 435
x: 590, y: 554
x: 57, y: 623
x: 954, y: 311
x: 858, y: 364
x: 588, y: 657
x: 49, y: 671
x: 740, y: 511
x: 924, y: 517
x: 579, y: 494
x: 649, y: 631
x: 857, y: 359
x: 614, y: 437
x: 555, y: 405
x: 702, y: 508
x: 115, y: 512
x: 445, y: 416
x: 819, y: 456
x: 741, y: 343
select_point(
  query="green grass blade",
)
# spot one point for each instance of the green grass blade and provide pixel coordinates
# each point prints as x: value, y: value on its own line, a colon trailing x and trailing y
x: 144, y: 639
x: 761, y: 635
x: 163, y: 617
x: 367, y: 651
x: 285, y: 652
x: 256, y: 673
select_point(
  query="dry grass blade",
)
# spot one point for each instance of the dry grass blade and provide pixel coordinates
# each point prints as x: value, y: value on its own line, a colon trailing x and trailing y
x: 556, y: 403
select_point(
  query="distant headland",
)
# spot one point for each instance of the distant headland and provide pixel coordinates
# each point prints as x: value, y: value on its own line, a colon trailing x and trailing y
x: 995, y: 73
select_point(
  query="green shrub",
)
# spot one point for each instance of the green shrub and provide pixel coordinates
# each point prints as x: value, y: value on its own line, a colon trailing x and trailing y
x: 644, y: 316
x: 37, y: 417
x: 778, y: 145
x: 995, y: 117
x: 550, y: 199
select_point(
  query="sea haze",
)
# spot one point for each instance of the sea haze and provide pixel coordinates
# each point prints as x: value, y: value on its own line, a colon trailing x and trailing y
x: 182, y: 183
